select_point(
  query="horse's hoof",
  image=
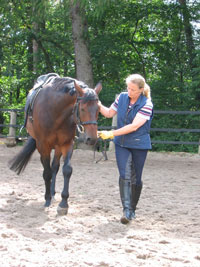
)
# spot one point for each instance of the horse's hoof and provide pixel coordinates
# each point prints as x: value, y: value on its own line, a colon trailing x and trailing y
x: 53, y: 199
x: 62, y: 211
x: 47, y: 203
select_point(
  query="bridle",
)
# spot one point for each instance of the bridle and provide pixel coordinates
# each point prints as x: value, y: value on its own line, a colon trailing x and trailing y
x: 80, y: 123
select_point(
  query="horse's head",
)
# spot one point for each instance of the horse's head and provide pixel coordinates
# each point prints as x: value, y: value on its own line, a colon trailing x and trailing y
x: 87, y: 112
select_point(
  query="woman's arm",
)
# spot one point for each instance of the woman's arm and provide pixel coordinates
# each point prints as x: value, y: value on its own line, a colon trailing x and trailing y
x: 132, y: 127
x: 137, y: 123
x: 106, y: 112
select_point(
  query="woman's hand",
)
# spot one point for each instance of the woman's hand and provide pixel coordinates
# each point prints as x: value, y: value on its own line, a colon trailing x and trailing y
x: 105, y: 135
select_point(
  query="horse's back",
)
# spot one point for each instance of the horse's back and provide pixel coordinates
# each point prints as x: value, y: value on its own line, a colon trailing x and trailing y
x: 52, y: 116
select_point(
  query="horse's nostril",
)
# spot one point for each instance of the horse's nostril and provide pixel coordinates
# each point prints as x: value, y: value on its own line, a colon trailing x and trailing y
x: 88, y: 140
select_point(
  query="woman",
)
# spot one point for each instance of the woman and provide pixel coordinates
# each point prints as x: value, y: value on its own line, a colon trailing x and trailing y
x: 132, y: 139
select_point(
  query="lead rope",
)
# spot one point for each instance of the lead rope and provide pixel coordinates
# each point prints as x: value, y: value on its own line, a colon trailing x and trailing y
x: 103, y: 151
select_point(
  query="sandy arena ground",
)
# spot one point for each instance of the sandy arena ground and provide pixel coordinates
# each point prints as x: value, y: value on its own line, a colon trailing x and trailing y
x: 166, y: 231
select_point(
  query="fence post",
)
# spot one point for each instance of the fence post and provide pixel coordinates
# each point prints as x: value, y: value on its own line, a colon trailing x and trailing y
x: 11, y: 140
x: 199, y: 148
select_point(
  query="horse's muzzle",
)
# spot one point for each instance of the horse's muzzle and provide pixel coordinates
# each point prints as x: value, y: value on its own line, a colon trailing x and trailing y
x: 86, y: 139
x: 90, y: 141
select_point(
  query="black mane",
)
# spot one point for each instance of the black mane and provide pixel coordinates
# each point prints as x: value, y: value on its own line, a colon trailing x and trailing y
x: 66, y: 85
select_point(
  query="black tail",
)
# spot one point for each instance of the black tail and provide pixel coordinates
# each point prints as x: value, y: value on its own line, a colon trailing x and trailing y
x: 19, y: 162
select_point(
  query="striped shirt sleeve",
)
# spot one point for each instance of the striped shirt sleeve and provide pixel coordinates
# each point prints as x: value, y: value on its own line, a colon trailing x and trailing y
x: 146, y: 111
x: 115, y: 104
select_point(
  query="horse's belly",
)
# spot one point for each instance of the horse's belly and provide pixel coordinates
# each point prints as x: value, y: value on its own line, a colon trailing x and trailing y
x: 29, y: 128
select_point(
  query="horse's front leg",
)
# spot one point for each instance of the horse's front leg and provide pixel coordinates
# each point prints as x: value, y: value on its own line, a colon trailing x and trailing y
x: 67, y: 172
x: 55, y: 167
x: 47, y: 174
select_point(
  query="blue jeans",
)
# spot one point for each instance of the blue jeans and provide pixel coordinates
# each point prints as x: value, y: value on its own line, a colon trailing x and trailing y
x: 130, y: 163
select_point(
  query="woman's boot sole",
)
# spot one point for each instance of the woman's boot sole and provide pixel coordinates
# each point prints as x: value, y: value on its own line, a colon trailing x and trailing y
x: 124, y: 220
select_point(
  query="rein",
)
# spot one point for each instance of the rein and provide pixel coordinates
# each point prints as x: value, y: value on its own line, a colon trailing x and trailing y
x: 77, y: 113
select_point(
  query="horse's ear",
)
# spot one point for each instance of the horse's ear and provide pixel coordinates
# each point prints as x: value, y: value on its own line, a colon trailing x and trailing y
x: 98, y: 88
x: 78, y: 89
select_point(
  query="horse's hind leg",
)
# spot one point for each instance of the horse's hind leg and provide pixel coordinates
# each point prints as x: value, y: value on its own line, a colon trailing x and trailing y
x: 55, y: 167
x: 47, y: 174
x: 67, y: 171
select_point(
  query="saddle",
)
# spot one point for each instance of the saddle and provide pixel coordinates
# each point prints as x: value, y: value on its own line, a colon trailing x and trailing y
x: 38, y: 86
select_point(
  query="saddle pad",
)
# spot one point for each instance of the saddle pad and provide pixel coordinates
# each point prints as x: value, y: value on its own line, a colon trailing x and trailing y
x: 41, y: 81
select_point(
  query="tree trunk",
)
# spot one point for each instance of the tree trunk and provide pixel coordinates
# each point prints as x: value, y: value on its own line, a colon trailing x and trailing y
x: 65, y: 63
x: 82, y: 55
x: 35, y: 43
x: 30, y: 62
x: 188, y: 32
x: 39, y: 29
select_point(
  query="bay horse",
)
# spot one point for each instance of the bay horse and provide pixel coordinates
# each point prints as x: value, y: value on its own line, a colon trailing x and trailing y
x: 58, y: 107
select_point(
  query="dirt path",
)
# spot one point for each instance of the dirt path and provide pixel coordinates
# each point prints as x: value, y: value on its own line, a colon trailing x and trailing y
x: 166, y: 231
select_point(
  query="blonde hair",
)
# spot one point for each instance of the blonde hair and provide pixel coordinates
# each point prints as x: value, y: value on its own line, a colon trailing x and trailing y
x: 140, y: 81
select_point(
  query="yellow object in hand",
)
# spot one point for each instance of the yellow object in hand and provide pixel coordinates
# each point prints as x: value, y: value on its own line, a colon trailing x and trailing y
x: 106, y: 134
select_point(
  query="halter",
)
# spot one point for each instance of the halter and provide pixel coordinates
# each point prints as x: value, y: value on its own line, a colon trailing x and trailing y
x: 77, y: 113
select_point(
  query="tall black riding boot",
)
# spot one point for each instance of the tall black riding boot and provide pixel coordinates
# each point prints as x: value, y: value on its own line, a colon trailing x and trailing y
x: 136, y: 191
x: 125, y: 194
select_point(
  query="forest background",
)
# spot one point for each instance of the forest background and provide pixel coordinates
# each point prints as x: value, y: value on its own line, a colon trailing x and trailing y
x: 106, y: 40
